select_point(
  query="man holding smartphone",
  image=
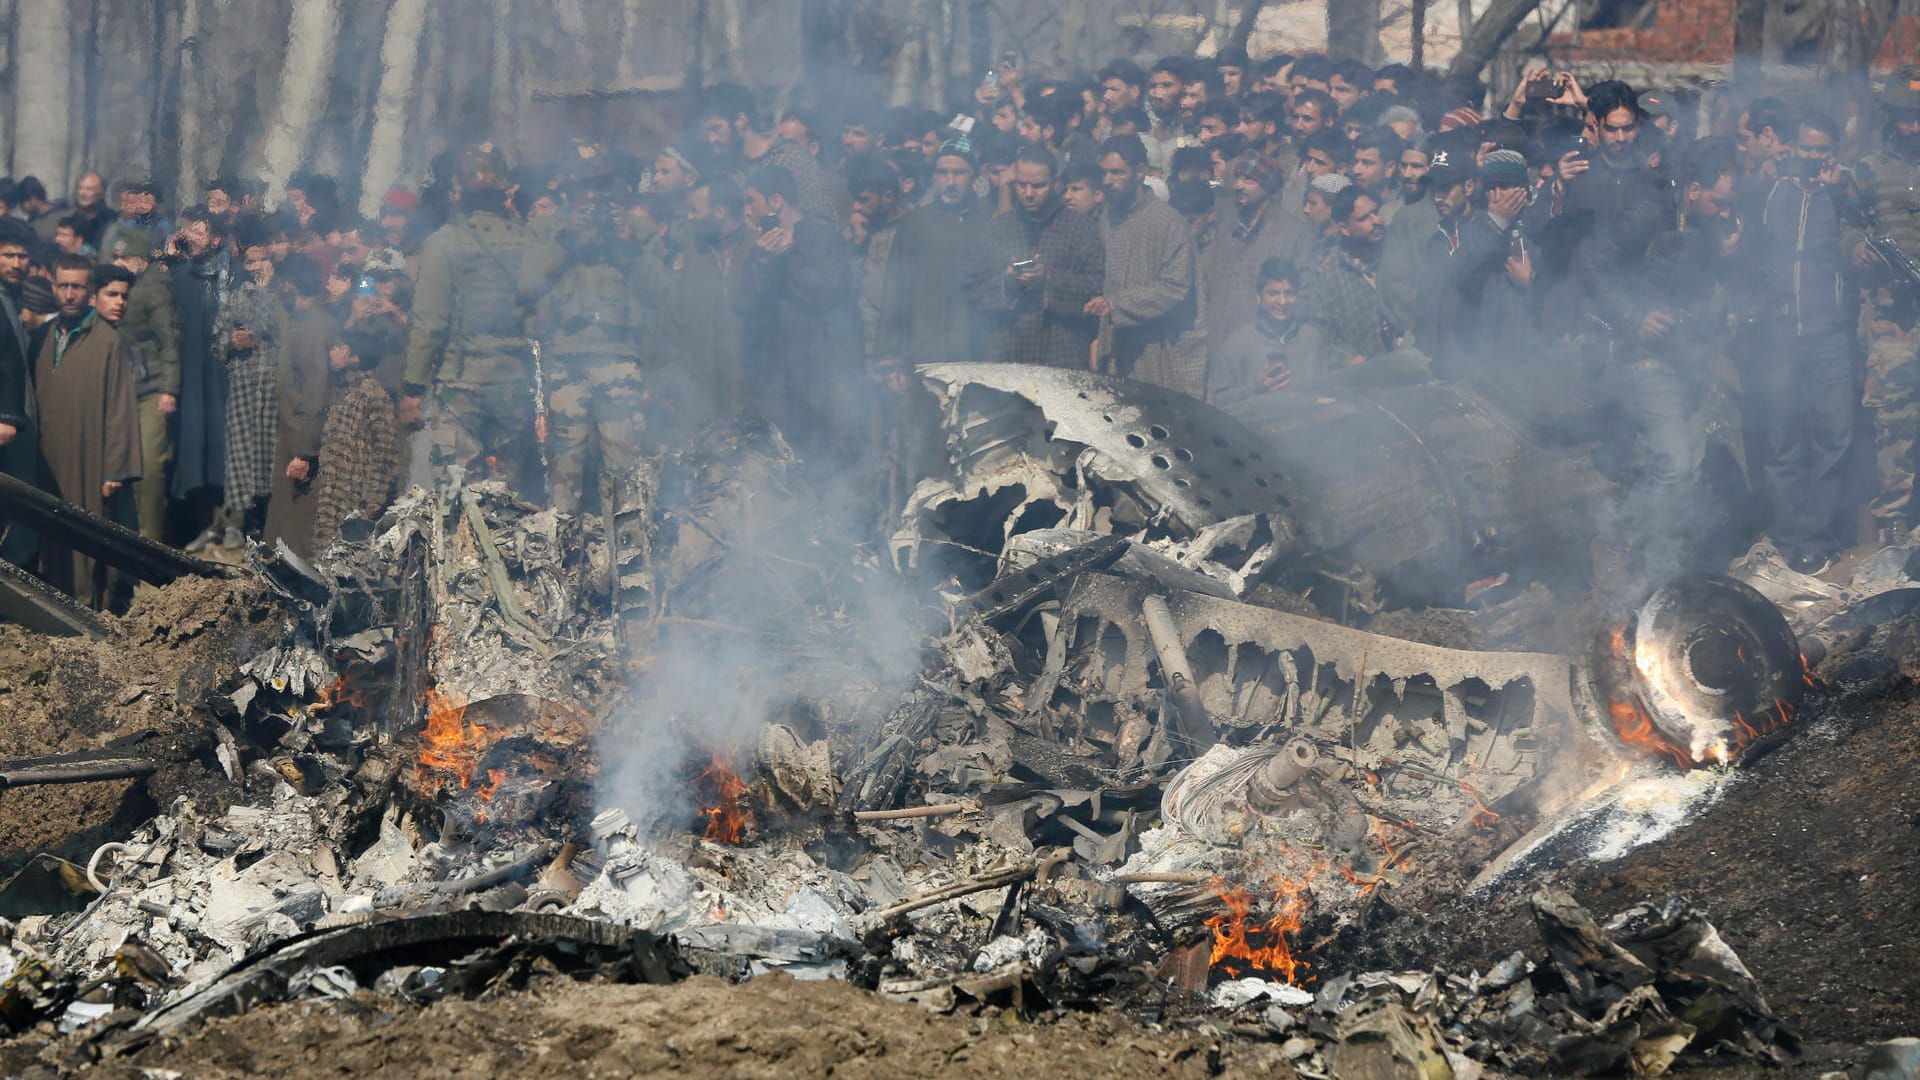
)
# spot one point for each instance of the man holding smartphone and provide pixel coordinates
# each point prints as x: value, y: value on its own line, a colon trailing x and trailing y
x: 802, y: 349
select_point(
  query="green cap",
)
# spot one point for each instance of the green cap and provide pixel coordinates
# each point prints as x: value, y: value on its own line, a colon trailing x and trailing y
x: 131, y: 244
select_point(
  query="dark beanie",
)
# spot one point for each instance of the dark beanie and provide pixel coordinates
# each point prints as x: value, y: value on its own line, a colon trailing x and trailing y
x: 36, y: 295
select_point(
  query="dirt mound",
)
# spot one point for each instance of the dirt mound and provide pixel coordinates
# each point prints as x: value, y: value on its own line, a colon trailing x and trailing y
x: 1805, y: 864
x: 773, y: 1026
x: 150, y: 675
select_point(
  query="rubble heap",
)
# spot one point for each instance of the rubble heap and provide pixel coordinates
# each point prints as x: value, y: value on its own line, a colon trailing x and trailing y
x: 1143, y: 760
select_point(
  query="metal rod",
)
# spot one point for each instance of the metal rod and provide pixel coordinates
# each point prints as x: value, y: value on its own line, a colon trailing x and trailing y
x: 964, y: 888
x: 25, y: 774
x: 1194, y: 723
x: 940, y: 810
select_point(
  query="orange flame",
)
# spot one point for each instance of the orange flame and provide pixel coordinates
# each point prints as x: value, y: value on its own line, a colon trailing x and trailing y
x: 1483, y: 816
x: 495, y: 777
x: 1241, y: 946
x: 728, y: 815
x: 342, y: 691
x: 451, y: 743
x: 1632, y: 723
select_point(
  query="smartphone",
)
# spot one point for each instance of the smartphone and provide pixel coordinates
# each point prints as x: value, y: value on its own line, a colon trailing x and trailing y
x: 769, y: 222
x: 1517, y: 247
x: 1541, y: 89
x: 1023, y: 265
x: 992, y: 79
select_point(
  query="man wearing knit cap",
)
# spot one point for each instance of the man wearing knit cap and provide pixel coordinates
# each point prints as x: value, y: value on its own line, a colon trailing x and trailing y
x: 925, y: 312
x: 1495, y: 268
x: 1254, y: 235
x: 1659, y: 111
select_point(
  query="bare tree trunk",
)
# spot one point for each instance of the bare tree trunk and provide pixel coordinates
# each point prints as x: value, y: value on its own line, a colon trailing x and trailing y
x: 1353, y: 30
x: 633, y: 21
x: 399, y: 52
x: 83, y: 66
x: 1749, y: 37
x: 9, y: 21
x: 41, y: 97
x: 936, y: 48
x: 1418, y: 29
x: 506, y: 92
x: 732, y: 27
x: 1249, y: 20
x: 1479, y: 44
x: 311, y: 36
x: 906, y: 70
x: 1073, y: 33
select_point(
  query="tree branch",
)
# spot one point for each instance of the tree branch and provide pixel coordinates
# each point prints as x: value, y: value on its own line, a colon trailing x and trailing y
x: 1489, y: 32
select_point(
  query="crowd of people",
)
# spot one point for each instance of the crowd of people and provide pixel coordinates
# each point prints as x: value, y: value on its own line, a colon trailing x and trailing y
x: 1222, y: 227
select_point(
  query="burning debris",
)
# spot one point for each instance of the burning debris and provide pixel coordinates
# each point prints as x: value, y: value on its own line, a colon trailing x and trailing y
x: 1147, y: 762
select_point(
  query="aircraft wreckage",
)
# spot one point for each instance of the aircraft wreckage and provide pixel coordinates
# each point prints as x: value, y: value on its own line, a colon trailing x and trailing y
x: 1205, y: 681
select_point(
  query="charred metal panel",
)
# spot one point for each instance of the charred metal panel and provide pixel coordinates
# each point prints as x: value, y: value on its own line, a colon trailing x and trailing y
x: 1427, y: 486
x: 1189, y: 462
x: 1444, y: 734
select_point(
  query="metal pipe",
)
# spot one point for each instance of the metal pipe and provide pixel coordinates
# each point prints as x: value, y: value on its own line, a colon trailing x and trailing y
x: 1195, y: 726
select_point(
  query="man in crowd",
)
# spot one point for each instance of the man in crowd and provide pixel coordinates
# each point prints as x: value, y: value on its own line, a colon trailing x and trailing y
x: 1256, y: 234
x: 1149, y: 305
x: 1668, y: 334
x: 89, y: 425
x: 204, y: 278
x: 802, y: 338
x: 150, y: 330
x: 1806, y: 392
x: 1043, y: 264
x: 31, y: 205
x: 704, y: 372
x: 1889, y: 179
x: 591, y: 322
x: 468, y: 340
x: 19, y: 440
x: 1417, y: 256
x: 90, y: 206
x: 139, y: 209
x: 1274, y: 352
x: 1344, y: 295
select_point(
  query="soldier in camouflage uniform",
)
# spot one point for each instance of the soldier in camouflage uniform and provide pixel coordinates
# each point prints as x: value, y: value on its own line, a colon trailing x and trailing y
x: 468, y: 344
x: 1889, y: 180
x: 590, y: 325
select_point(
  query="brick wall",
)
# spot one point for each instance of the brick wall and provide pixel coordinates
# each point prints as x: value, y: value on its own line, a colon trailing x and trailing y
x: 1682, y: 31
x: 1701, y: 32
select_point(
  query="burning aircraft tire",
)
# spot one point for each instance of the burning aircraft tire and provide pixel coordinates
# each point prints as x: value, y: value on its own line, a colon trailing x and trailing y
x: 1702, y: 672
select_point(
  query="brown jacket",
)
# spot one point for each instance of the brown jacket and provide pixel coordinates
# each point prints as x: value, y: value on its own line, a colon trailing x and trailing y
x: 89, y: 436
